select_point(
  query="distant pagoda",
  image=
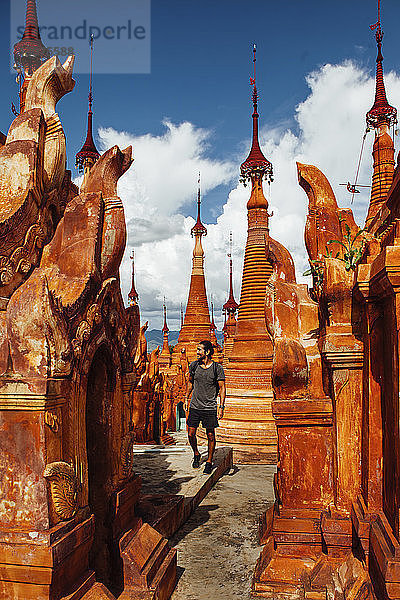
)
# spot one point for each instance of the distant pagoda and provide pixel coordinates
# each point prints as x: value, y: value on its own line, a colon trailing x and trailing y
x: 230, y: 307
x: 133, y: 296
x: 196, y: 323
x: 164, y: 358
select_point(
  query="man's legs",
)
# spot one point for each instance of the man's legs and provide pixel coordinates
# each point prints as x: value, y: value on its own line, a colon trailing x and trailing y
x: 193, y: 442
x: 211, y: 444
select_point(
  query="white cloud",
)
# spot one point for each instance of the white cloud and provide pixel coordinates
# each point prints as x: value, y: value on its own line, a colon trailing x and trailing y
x: 329, y: 128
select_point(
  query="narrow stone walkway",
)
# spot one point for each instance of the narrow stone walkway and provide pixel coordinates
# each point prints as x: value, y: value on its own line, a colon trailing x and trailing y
x: 218, y: 546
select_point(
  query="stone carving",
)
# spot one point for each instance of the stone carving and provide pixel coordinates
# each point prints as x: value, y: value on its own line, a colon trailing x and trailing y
x: 63, y: 486
x: 32, y: 171
x: 127, y: 454
x: 52, y: 421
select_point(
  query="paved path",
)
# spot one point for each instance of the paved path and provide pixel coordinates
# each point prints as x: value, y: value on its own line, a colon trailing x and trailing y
x: 218, y: 546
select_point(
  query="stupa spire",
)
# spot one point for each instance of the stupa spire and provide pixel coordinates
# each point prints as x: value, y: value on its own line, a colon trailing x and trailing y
x: 88, y: 154
x: 164, y: 358
x: 29, y: 52
x: 165, y: 328
x: 198, y: 228
x: 381, y: 110
x: 133, y: 295
x: 230, y: 305
x: 380, y: 117
x: 255, y: 165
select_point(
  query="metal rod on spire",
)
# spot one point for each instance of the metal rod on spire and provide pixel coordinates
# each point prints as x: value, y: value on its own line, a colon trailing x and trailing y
x: 91, y: 73
x: 165, y: 326
x: 198, y: 197
x: 253, y: 82
x: 230, y: 244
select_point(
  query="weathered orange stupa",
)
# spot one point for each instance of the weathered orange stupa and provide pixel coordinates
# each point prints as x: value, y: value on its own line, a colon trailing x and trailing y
x: 334, y: 531
x: 248, y: 425
x: 197, y: 323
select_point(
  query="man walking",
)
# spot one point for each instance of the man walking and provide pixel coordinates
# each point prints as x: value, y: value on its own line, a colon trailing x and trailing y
x: 206, y: 382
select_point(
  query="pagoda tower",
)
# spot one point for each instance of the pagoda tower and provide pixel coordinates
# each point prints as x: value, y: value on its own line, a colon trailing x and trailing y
x: 230, y: 307
x: 197, y: 323
x: 248, y: 425
x: 88, y: 154
x: 380, y: 117
x: 133, y: 296
x: 164, y: 358
x: 29, y: 52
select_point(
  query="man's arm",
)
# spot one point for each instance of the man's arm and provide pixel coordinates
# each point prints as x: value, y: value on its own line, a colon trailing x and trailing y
x: 189, y: 390
x: 222, y: 394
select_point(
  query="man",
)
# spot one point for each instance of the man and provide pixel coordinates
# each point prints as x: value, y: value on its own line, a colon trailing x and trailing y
x: 206, y: 381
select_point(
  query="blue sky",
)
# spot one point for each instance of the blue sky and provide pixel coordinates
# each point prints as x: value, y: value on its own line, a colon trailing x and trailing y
x: 201, y: 61
x: 200, y: 67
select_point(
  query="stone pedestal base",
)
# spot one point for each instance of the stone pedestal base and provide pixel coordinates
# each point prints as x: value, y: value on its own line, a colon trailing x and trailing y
x: 46, y: 565
x: 374, y: 536
x: 149, y: 564
x: 248, y: 427
x: 308, y: 556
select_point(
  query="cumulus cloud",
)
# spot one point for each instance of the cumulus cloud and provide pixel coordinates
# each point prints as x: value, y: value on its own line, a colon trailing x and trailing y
x: 327, y: 129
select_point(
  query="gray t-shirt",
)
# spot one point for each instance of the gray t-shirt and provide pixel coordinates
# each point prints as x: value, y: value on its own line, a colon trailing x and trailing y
x: 205, y: 386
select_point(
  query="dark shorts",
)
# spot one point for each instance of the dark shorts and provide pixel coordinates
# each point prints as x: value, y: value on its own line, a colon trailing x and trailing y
x: 208, y: 418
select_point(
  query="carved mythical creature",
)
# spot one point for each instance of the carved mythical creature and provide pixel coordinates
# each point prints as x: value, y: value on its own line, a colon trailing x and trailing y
x: 292, y: 320
x: 34, y: 185
x: 46, y: 312
x: 63, y: 486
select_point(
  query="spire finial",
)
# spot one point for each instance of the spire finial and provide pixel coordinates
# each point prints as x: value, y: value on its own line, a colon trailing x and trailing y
x: 253, y: 82
x: 165, y: 328
x: 88, y: 154
x: 133, y: 295
x: 381, y: 111
x: 198, y: 228
x: 231, y: 305
x: 181, y: 315
x: 255, y: 165
x: 213, y: 326
x: 30, y: 52
x: 91, y: 73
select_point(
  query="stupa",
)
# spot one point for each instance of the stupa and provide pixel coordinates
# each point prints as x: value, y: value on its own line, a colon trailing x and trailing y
x: 196, y: 323
x: 248, y: 425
